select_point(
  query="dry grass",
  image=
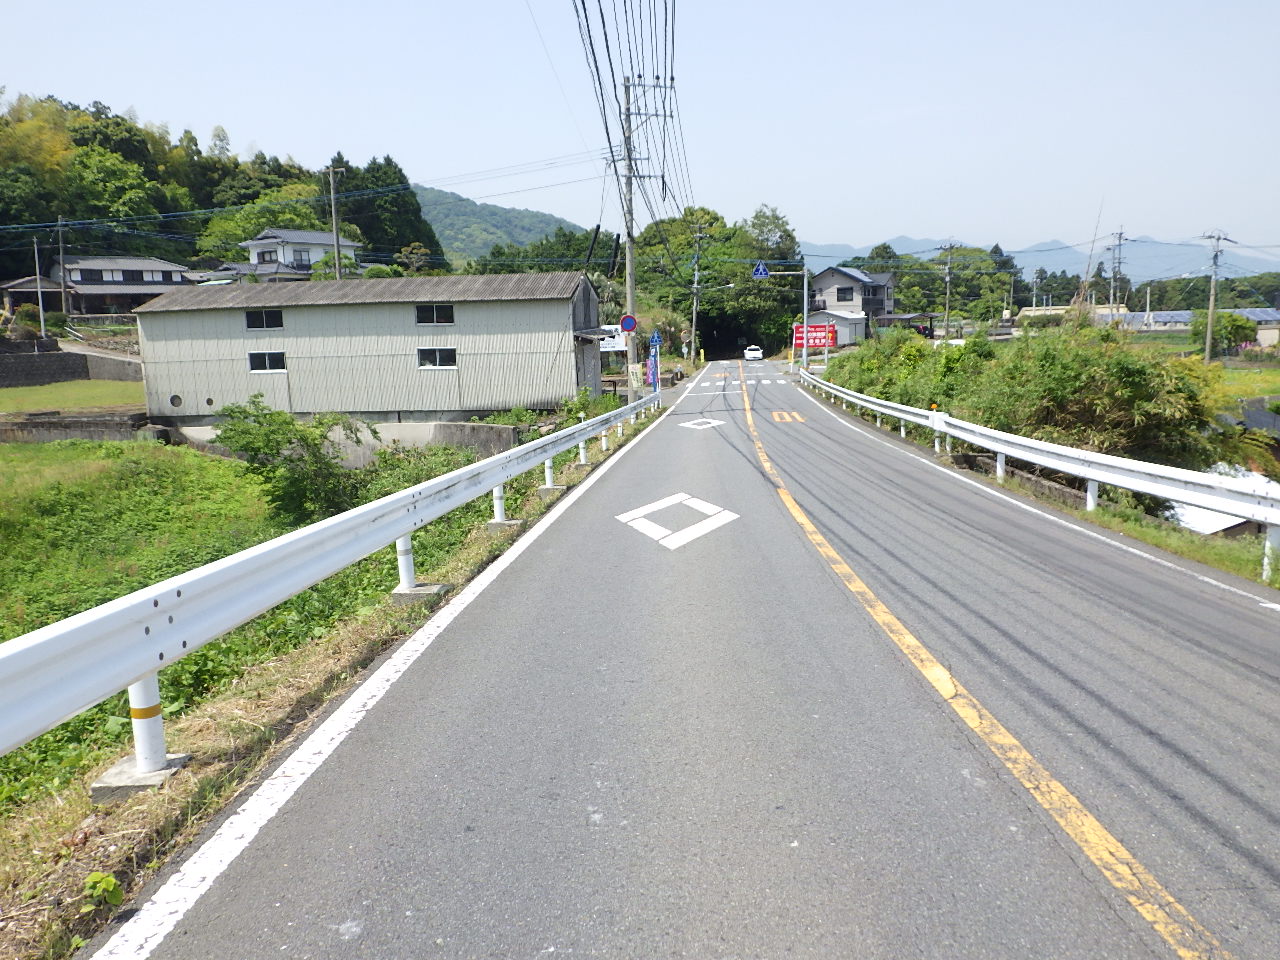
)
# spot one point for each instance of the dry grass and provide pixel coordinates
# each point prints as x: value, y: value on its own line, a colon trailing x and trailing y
x: 49, y: 847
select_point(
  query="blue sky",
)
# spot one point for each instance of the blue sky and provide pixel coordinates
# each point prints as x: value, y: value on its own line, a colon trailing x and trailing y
x: 1001, y: 121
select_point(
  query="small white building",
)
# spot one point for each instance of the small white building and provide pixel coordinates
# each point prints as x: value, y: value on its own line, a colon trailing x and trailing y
x: 279, y: 254
x: 399, y: 349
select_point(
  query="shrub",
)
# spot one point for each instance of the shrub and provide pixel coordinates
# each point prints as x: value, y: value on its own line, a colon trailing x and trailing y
x: 28, y: 314
x: 299, y: 463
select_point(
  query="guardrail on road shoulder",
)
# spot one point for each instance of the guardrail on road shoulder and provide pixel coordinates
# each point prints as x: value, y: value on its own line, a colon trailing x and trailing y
x: 1234, y: 496
x: 51, y: 674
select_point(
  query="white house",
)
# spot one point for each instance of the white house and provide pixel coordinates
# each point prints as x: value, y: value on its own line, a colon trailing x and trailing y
x: 279, y: 254
x: 400, y: 349
x: 851, y: 299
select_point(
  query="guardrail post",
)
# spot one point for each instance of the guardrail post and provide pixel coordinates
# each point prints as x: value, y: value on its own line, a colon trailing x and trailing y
x: 619, y: 429
x: 1091, y: 495
x: 548, y: 473
x: 499, y: 504
x: 1270, y: 549
x: 948, y: 443
x: 902, y: 429
x: 148, y: 725
x: 604, y: 440
x: 879, y: 420
x: 999, y: 468
x: 404, y: 562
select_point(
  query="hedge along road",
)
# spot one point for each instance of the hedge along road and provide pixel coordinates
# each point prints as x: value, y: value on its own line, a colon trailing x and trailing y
x: 666, y: 726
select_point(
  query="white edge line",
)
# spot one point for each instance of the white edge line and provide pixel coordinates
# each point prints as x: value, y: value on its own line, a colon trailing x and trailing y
x: 1269, y: 604
x: 156, y: 918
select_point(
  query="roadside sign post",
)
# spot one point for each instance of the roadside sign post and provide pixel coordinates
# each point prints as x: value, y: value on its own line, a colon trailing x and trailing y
x: 628, y: 325
x: 655, y: 359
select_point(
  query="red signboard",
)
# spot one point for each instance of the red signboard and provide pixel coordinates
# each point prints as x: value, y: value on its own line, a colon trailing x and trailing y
x: 817, y: 334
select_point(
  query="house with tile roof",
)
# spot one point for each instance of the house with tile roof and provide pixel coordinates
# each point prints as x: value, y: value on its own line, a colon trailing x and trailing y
x: 277, y: 254
x: 99, y: 285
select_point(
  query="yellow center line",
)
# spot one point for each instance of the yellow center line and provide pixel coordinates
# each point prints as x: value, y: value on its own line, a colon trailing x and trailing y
x: 1145, y: 893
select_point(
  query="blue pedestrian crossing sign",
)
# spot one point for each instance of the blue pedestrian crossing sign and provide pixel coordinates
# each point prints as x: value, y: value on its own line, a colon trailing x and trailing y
x: 760, y: 272
x: 655, y: 341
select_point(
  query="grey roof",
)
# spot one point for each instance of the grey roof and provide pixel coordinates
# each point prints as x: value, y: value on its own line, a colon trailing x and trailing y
x: 450, y: 289
x: 854, y: 273
x: 1136, y: 318
x: 102, y: 289
x: 29, y: 283
x: 121, y: 263
x: 242, y: 268
x: 300, y: 236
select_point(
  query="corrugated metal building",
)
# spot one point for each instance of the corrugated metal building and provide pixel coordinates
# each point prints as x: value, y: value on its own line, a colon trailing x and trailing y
x: 406, y: 348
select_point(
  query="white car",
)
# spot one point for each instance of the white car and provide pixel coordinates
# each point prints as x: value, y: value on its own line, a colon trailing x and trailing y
x: 753, y: 353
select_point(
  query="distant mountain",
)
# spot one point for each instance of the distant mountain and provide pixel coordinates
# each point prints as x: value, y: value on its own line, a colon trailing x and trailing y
x: 469, y: 229
x: 1144, y: 258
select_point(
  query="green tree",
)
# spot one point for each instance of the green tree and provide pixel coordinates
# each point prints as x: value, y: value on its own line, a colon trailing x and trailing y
x: 772, y: 234
x: 102, y: 184
x: 1230, y: 330
x: 322, y: 269
x: 300, y: 464
x: 291, y: 207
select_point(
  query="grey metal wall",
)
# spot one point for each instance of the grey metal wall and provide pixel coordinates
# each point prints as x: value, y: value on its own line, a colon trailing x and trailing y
x: 363, y: 358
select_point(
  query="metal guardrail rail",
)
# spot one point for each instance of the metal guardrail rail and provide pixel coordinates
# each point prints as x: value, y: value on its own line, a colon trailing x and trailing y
x: 1234, y: 496
x: 54, y: 673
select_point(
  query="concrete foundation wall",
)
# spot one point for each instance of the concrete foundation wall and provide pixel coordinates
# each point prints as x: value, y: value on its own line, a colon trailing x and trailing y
x: 44, y: 430
x: 113, y: 368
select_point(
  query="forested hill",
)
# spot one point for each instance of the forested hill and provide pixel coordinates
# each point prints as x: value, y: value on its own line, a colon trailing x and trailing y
x: 469, y: 229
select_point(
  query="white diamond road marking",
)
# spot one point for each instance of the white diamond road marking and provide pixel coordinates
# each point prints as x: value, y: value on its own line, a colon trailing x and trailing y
x: 702, y: 424
x: 716, y: 517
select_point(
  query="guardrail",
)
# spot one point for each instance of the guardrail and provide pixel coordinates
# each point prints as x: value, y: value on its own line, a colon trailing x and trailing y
x: 1234, y: 496
x: 51, y: 674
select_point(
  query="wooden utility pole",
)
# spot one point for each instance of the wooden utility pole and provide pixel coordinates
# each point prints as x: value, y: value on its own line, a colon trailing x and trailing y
x: 333, y: 210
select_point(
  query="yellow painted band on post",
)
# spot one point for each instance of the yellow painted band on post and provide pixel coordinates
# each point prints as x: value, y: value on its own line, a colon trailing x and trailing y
x: 1145, y: 893
x: 144, y: 713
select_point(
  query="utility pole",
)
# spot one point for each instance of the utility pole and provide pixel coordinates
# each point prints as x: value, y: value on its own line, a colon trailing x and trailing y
x: 62, y: 269
x: 333, y: 210
x: 946, y: 310
x: 1117, y: 259
x: 693, y: 329
x: 1217, y: 237
x: 628, y: 215
x: 35, y: 249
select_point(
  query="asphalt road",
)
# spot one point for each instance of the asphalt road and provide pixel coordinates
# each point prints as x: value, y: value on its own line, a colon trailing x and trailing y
x: 678, y: 734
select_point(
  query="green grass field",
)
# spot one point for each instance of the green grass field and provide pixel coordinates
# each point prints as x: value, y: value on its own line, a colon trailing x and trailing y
x: 74, y: 396
x: 1253, y: 381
